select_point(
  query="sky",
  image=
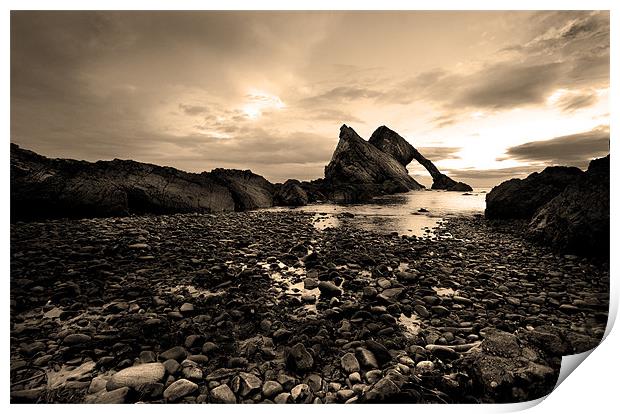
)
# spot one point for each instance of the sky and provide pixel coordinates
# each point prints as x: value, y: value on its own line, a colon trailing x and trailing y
x: 487, y: 96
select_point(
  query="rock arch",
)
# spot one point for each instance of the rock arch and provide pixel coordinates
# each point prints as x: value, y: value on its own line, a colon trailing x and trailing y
x: 393, y: 144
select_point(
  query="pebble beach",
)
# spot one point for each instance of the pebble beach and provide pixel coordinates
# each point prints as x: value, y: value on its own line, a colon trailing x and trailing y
x: 273, y: 307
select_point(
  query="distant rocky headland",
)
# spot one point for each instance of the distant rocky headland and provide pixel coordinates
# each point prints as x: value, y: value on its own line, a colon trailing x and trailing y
x: 359, y: 170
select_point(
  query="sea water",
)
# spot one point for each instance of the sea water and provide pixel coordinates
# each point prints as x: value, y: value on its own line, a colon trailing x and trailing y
x: 413, y: 213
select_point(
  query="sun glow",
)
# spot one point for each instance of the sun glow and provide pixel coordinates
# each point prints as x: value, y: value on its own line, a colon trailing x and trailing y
x: 555, y: 96
x: 258, y: 102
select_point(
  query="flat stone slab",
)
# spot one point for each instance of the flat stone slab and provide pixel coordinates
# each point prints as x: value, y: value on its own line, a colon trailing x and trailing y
x: 136, y: 376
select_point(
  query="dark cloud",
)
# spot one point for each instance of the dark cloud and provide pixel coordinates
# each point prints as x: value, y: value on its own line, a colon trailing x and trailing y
x: 508, y: 85
x: 570, y: 34
x: 193, y: 109
x: 439, y: 153
x: 270, y: 153
x: 336, y: 115
x: 573, y: 101
x: 575, y: 149
x: 444, y: 120
x: 172, y: 87
x: 342, y: 94
x: 568, y: 50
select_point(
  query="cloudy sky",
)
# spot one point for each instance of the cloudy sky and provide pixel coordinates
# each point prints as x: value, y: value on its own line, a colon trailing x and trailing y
x: 486, y: 95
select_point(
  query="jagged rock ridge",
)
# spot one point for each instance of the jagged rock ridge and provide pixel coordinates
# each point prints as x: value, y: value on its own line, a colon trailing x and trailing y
x: 360, y: 170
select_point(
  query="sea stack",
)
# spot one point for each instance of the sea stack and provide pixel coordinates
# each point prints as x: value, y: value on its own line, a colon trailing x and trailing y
x: 391, y: 143
x: 359, y: 170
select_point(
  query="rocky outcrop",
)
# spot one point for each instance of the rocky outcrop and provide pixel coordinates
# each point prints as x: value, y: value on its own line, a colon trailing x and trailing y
x: 565, y: 207
x: 577, y: 219
x: 358, y: 170
x: 45, y: 188
x: 249, y: 190
x: 291, y: 193
x: 520, y: 199
x: 393, y: 144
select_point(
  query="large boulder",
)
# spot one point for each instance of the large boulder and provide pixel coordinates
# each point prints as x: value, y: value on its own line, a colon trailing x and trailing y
x: 358, y: 170
x: 249, y: 190
x: 505, y: 368
x: 136, y: 376
x: 291, y: 193
x: 46, y: 188
x: 393, y: 144
x: 521, y: 198
x: 577, y: 219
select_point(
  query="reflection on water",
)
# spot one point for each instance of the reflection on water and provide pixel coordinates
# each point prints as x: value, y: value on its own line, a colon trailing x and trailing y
x: 325, y: 221
x: 399, y: 212
x: 289, y: 281
x: 297, y: 288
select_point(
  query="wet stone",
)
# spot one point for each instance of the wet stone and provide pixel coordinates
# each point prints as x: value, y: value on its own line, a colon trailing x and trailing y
x: 299, y: 359
x: 382, y: 391
x: 349, y: 363
x: 246, y: 384
x: 76, y: 339
x: 222, y: 395
x: 117, y: 396
x: 172, y: 366
x: 424, y: 367
x: 178, y: 353
x: 373, y: 376
x: 344, y: 395
x: 271, y: 388
x: 329, y: 289
x: 283, y: 398
x: 135, y: 376
x: 366, y: 358
x: 186, y: 308
x: 179, y: 389
x: 301, y: 393
x: 191, y: 370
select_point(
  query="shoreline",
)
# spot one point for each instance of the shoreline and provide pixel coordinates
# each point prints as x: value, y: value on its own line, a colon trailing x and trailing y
x: 239, y: 292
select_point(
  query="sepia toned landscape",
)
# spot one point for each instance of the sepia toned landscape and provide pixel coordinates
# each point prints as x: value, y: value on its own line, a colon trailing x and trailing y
x: 306, y: 207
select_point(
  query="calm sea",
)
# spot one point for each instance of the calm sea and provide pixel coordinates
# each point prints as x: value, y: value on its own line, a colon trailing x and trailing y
x: 400, y: 213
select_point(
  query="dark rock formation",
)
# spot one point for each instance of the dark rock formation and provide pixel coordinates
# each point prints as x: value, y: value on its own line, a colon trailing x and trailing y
x: 358, y: 170
x: 567, y: 208
x: 507, y: 369
x: 291, y: 193
x: 520, y: 199
x: 393, y: 144
x: 249, y: 190
x: 315, y: 190
x: 577, y: 219
x: 45, y: 188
